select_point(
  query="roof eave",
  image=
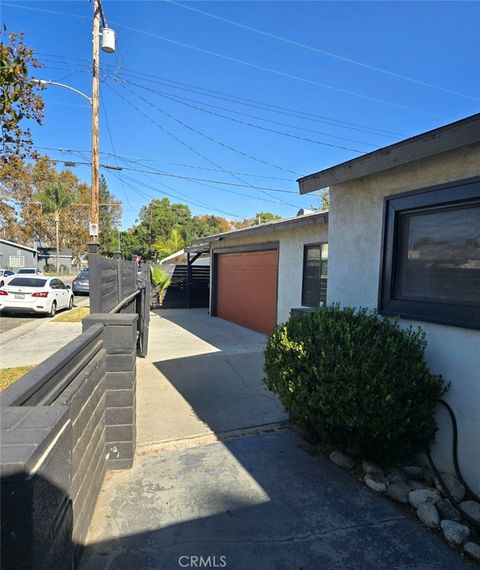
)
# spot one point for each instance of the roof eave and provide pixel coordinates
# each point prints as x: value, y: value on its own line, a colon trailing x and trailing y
x: 465, y: 132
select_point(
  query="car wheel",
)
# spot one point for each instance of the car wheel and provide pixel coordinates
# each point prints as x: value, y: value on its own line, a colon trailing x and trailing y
x: 53, y: 309
x: 70, y: 303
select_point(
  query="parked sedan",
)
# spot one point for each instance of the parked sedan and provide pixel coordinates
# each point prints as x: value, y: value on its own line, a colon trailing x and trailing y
x: 4, y: 275
x: 35, y: 295
x: 81, y: 284
x: 28, y: 271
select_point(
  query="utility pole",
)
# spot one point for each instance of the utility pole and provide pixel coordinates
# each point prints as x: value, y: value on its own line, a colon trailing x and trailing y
x: 94, y: 214
x: 108, y: 45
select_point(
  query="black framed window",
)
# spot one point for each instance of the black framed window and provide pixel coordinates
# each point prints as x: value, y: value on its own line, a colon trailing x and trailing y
x: 431, y: 255
x: 315, y: 272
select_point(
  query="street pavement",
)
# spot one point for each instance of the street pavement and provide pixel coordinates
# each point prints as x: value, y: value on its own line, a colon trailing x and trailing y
x: 30, y: 339
x: 220, y: 481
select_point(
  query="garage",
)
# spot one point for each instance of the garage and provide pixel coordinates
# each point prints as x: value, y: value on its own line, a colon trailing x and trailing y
x: 246, y: 288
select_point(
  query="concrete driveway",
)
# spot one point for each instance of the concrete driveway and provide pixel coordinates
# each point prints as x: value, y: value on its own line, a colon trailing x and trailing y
x: 203, y: 376
x: 219, y: 481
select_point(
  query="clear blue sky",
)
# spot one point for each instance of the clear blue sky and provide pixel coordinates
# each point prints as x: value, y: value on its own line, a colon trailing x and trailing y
x: 428, y: 42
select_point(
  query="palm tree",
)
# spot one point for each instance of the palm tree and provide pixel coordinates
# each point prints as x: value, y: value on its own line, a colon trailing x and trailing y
x: 171, y: 245
x: 54, y: 198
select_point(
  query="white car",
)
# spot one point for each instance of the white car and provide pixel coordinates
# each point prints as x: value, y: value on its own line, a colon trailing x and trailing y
x: 29, y: 271
x: 35, y: 295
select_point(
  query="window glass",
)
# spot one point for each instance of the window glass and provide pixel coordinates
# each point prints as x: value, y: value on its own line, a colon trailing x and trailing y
x: 26, y: 282
x: 438, y: 255
x: 314, y: 291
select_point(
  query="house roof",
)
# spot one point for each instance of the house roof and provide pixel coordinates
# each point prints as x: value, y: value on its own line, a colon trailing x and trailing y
x: 51, y: 251
x: 269, y: 227
x: 449, y: 137
x: 19, y: 245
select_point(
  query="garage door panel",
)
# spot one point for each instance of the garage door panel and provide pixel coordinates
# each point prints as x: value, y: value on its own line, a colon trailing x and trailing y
x: 247, y: 288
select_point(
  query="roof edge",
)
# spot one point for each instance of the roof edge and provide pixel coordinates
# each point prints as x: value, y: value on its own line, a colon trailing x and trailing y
x: 458, y: 134
x: 276, y: 226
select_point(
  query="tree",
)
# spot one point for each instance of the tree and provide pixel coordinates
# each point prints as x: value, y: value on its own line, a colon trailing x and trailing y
x: 55, y: 198
x: 172, y: 244
x: 259, y: 218
x: 19, y: 98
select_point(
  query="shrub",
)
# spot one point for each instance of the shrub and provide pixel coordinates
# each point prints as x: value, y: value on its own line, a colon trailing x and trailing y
x: 49, y: 268
x: 359, y: 380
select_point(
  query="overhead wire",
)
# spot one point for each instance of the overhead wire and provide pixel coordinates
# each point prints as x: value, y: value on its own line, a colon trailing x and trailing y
x: 263, y: 190
x: 181, y: 100
x: 245, y: 123
x: 322, y: 51
x: 276, y: 71
x: 141, y: 160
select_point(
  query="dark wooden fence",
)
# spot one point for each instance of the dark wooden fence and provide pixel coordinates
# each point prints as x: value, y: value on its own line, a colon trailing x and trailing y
x: 117, y: 286
x: 189, y: 288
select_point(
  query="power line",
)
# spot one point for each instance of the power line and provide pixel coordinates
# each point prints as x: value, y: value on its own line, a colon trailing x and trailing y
x: 181, y: 177
x: 190, y: 148
x: 174, y: 194
x: 323, y: 52
x: 256, y: 103
x: 249, y: 102
x: 113, y: 148
x: 263, y: 190
x: 181, y: 100
x: 276, y: 71
x: 141, y: 160
x: 239, y: 121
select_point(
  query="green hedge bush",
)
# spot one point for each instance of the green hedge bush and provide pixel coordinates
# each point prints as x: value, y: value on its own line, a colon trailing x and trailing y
x: 360, y: 381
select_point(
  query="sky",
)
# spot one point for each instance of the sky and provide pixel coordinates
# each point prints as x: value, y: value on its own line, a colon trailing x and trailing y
x: 246, y: 97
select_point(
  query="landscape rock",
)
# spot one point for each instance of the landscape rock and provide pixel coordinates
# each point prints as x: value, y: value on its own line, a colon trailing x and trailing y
x: 369, y: 467
x: 414, y: 472
x: 454, y: 532
x: 472, y: 508
x: 398, y: 492
x: 396, y: 475
x: 456, y: 489
x: 447, y: 511
x: 342, y: 460
x: 419, y: 496
x: 376, y: 481
x: 428, y: 514
x: 472, y: 549
x: 414, y: 484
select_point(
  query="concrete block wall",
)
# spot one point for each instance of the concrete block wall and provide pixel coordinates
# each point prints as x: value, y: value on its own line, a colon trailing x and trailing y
x: 120, y: 386
x: 54, y: 453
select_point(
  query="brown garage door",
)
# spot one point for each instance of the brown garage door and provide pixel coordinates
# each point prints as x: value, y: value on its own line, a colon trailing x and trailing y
x: 246, y: 288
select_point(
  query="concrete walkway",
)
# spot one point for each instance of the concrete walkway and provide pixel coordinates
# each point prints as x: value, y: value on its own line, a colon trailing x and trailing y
x: 218, y: 476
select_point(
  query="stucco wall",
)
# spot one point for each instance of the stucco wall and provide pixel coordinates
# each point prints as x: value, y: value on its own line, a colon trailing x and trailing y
x: 290, y: 260
x: 355, y: 234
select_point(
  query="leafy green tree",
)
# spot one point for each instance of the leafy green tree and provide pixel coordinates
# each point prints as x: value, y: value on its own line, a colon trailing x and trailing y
x: 130, y: 243
x: 109, y: 218
x: 19, y: 98
x: 55, y: 198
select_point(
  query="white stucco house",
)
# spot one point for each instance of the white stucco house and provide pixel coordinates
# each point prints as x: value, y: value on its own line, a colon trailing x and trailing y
x: 259, y: 274
x: 404, y: 239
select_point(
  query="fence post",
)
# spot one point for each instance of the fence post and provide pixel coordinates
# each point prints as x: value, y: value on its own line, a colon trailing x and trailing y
x: 118, y: 257
x: 95, y: 277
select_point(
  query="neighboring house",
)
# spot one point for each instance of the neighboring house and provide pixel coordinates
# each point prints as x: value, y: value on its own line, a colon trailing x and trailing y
x: 404, y: 239
x: 15, y: 255
x: 259, y: 274
x: 48, y: 256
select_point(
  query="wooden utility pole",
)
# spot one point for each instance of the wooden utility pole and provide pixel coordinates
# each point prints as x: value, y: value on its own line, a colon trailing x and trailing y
x: 94, y: 215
